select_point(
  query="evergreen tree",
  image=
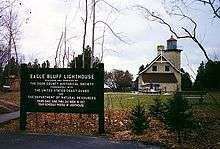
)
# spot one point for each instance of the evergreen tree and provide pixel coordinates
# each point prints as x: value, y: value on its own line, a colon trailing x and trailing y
x: 186, y: 82
x: 157, y: 109
x: 138, y: 119
x: 36, y: 64
x: 211, y: 76
x: 43, y: 65
x: 178, y: 115
x: 71, y: 64
x: 141, y: 68
x: 199, y: 82
x: 47, y: 64
x: 208, y: 76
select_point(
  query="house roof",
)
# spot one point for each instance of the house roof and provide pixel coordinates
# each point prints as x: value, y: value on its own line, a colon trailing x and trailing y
x: 156, y: 59
x: 159, y: 78
x: 172, y: 39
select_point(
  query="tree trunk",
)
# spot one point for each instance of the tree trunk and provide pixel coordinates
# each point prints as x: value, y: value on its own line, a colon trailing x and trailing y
x: 85, y: 26
x: 93, y: 33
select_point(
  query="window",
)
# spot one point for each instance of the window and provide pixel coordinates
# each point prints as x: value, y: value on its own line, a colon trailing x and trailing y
x: 154, y: 68
x: 167, y: 68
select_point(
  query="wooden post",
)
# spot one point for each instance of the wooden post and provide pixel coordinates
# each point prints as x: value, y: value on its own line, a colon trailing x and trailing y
x: 23, y: 120
x: 101, y: 96
x: 23, y: 114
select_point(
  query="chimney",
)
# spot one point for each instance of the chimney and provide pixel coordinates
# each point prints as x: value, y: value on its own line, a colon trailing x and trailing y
x: 160, y: 49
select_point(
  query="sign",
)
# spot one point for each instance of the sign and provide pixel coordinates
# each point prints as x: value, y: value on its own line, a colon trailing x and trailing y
x: 62, y: 90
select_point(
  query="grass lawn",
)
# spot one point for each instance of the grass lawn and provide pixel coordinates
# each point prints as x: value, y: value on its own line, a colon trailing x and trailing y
x: 126, y: 101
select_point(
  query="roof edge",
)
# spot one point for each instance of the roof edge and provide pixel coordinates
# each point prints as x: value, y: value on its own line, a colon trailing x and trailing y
x: 155, y: 61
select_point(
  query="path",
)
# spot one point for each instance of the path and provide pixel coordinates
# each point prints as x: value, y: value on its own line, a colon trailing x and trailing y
x: 9, y: 116
x: 33, y: 141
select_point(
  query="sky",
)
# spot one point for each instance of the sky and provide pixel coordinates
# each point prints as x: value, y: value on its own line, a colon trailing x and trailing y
x: 43, y: 21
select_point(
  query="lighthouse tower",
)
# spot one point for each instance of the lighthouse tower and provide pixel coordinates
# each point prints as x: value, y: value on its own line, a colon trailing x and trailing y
x: 172, y: 53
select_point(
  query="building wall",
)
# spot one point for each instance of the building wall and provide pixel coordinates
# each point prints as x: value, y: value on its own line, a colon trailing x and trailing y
x: 178, y: 77
x: 165, y: 87
x: 173, y: 57
x: 160, y: 68
x: 168, y: 87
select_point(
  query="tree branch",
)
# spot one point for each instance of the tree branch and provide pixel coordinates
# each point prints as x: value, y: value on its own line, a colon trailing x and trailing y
x: 114, y: 8
x: 118, y: 37
x: 215, y: 8
x: 58, y: 47
x: 188, y: 34
x: 161, y: 21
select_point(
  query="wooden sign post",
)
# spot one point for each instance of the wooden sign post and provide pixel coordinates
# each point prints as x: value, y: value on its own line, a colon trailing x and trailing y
x: 62, y: 90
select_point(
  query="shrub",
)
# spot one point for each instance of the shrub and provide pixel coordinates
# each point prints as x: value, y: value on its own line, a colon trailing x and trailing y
x: 178, y: 115
x: 138, y: 119
x: 157, y: 109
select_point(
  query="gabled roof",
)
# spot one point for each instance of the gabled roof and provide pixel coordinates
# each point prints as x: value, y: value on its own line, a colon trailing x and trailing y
x: 159, y: 78
x: 157, y: 58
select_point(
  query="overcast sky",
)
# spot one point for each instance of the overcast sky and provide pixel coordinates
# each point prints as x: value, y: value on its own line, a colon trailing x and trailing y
x: 42, y: 29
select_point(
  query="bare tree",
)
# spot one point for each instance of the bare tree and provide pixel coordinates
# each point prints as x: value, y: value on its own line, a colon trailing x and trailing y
x: 90, y: 8
x: 4, y: 5
x: 186, y: 33
x: 214, y: 5
x: 102, y: 37
x: 102, y: 44
x: 10, y: 30
x: 85, y: 24
x: 107, y: 26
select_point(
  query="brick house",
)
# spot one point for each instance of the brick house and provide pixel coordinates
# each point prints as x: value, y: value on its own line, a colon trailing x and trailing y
x: 163, y: 73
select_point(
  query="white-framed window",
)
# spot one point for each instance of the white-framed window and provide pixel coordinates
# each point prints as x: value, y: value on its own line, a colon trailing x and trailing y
x: 167, y: 68
x: 154, y: 68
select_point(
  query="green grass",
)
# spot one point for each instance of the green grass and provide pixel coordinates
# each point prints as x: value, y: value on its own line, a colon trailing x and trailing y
x: 126, y: 101
x: 120, y: 101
